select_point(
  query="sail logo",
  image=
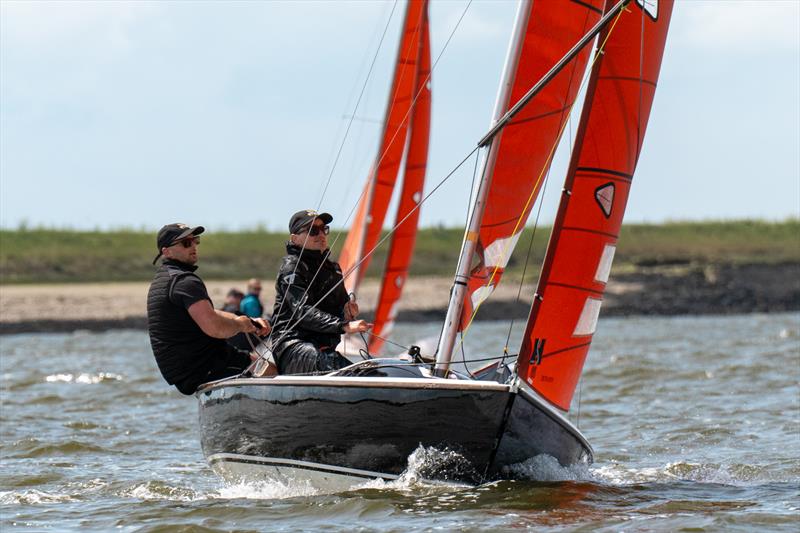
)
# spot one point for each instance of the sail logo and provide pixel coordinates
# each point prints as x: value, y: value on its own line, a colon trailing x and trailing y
x: 537, y: 352
x: 604, y: 196
x: 650, y: 7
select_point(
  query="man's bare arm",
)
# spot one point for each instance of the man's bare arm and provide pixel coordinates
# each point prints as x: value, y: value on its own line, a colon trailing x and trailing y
x: 222, y: 325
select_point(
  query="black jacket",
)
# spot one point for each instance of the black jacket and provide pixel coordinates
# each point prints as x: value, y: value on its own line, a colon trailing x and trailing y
x: 309, y: 300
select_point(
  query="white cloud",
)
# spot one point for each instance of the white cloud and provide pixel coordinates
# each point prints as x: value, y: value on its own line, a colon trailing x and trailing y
x: 744, y: 26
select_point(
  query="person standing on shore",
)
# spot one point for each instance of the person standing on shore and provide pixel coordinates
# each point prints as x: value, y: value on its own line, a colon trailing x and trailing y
x: 312, y: 309
x: 251, y: 304
x: 187, y: 334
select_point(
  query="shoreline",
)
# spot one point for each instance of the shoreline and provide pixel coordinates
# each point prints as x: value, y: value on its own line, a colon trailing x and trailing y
x: 657, y: 291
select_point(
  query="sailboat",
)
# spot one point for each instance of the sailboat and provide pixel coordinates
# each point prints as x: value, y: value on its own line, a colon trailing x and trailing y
x: 364, y: 421
x: 405, y: 136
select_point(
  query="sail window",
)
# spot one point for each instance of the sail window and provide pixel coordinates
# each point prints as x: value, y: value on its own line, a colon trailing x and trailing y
x: 604, y: 266
x: 650, y: 7
x: 604, y: 195
x: 587, y: 323
x: 496, y: 254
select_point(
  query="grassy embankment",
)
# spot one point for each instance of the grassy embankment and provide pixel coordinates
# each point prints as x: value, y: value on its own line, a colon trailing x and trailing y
x: 46, y: 255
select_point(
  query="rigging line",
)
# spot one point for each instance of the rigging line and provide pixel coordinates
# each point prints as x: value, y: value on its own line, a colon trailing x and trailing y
x: 391, y: 232
x: 361, y: 94
x: 382, y: 240
x: 411, y: 107
x: 547, y: 162
x: 580, y: 392
x: 464, y: 361
x: 639, y: 137
x: 341, y: 147
x: 472, y: 191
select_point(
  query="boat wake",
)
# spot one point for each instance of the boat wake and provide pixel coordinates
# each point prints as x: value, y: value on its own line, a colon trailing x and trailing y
x: 717, y: 473
x: 547, y: 468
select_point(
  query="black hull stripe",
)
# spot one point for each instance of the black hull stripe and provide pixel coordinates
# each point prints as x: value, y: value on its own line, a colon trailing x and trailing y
x: 305, y: 466
x: 537, y: 117
x: 606, y: 171
x: 624, y: 181
x: 592, y: 231
x: 568, y: 349
x: 588, y: 6
x: 576, y: 287
x: 629, y: 78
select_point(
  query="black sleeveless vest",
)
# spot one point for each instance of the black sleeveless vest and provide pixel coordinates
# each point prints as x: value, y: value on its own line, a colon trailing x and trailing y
x: 180, y: 347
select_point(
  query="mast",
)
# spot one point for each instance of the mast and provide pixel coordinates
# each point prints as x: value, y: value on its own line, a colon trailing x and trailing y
x: 447, y: 339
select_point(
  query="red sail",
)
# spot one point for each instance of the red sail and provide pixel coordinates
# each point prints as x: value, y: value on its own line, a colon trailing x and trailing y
x: 374, y: 203
x: 581, y: 249
x: 402, y: 244
x: 526, y: 145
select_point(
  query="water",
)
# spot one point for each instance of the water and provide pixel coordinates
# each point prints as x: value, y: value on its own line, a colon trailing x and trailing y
x: 695, y: 423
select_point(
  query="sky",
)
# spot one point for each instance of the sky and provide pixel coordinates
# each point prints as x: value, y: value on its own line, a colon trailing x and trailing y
x: 230, y: 114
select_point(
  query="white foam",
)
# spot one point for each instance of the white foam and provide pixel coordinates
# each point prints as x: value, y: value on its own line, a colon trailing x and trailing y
x: 33, y: 497
x: 547, y: 468
x: 266, y: 490
x: 84, y: 379
x: 736, y: 474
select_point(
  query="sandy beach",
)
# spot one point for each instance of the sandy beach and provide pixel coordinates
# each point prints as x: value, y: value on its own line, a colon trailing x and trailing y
x: 723, y: 289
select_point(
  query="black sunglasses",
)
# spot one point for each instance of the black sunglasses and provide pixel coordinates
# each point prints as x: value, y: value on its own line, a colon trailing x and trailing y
x: 313, y: 231
x: 187, y: 243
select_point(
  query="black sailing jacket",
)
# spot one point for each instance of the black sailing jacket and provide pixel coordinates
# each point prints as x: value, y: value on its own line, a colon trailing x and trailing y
x: 309, y: 300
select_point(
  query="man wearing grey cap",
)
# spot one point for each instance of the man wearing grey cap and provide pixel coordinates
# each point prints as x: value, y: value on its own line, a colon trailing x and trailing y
x: 312, y: 309
x: 186, y: 333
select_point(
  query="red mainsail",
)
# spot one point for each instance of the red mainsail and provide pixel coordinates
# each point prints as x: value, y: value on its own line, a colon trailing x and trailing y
x: 401, y: 248
x: 527, y: 143
x: 366, y: 228
x: 581, y: 249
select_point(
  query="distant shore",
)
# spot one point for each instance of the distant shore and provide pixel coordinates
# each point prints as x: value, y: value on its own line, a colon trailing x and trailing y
x: 663, y: 290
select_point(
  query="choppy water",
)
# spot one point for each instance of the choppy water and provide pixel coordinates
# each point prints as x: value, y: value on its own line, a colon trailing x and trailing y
x: 695, y: 424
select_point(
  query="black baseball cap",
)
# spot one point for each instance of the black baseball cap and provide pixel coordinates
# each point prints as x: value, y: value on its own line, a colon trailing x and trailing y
x: 172, y: 233
x: 303, y: 218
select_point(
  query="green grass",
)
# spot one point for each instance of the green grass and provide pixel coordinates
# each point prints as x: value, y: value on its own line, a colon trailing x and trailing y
x: 47, y: 255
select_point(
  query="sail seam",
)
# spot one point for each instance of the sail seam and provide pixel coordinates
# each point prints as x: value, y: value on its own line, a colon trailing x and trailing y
x: 629, y: 78
x: 588, y: 6
x: 610, y: 172
x: 567, y: 349
x: 596, y: 232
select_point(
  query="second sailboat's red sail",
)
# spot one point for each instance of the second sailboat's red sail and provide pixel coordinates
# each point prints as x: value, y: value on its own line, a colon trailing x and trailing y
x: 581, y: 249
x: 365, y: 231
x: 401, y: 249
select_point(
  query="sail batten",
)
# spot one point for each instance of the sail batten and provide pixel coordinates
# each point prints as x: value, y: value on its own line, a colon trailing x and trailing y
x: 585, y: 233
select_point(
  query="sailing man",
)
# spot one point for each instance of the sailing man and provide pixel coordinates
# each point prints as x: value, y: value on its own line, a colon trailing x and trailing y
x: 187, y: 334
x: 312, y: 309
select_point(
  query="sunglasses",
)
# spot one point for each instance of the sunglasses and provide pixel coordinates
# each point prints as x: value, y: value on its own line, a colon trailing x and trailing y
x: 187, y: 243
x: 316, y: 230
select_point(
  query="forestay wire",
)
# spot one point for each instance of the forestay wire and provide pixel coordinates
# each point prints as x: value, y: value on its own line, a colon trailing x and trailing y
x: 270, y: 341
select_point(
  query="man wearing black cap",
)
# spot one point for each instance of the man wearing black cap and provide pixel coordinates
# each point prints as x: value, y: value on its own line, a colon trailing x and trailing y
x: 312, y: 309
x: 186, y: 333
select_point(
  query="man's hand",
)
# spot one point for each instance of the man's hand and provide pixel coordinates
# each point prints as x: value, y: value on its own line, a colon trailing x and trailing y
x: 248, y: 325
x: 350, y: 310
x: 357, y: 326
